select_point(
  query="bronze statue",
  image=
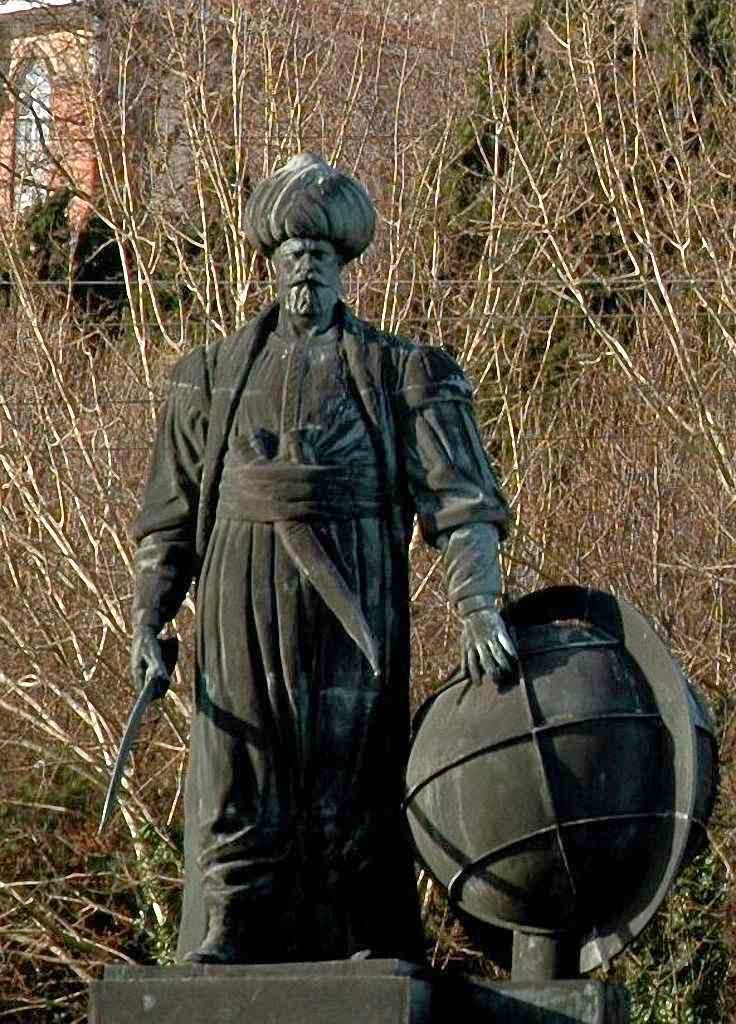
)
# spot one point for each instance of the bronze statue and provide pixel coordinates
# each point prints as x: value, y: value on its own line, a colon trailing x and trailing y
x: 290, y: 462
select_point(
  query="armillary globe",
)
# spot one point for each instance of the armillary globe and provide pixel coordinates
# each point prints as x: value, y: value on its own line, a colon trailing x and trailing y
x: 565, y: 803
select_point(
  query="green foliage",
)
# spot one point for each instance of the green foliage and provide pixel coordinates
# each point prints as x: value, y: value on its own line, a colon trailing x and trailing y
x: 678, y: 969
x: 46, y: 240
x: 712, y: 37
x: 88, y: 264
x: 157, y: 933
x: 97, y: 262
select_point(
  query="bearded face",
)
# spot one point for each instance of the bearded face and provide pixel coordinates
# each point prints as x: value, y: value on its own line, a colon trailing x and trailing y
x: 308, y: 273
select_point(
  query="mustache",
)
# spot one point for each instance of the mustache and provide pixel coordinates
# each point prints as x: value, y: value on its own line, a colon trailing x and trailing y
x: 302, y: 279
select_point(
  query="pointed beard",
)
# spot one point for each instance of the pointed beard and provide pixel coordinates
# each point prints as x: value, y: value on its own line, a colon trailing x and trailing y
x: 303, y: 300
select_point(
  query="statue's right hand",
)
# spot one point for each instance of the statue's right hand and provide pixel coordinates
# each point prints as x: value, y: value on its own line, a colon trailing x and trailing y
x: 147, y: 662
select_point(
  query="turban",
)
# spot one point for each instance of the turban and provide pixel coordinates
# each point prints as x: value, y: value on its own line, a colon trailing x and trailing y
x: 309, y: 199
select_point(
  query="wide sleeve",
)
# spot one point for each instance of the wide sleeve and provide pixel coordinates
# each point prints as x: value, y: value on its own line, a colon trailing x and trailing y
x: 448, y: 474
x: 165, y: 529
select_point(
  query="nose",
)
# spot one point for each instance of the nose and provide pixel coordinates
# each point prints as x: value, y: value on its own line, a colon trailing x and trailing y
x: 304, y: 264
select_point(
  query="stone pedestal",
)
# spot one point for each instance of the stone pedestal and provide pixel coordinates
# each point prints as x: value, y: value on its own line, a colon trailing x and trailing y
x: 342, y: 992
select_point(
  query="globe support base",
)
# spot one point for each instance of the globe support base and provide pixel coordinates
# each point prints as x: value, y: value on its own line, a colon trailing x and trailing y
x: 542, y: 958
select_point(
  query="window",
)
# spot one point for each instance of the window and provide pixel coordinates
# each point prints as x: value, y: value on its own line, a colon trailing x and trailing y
x: 32, y: 125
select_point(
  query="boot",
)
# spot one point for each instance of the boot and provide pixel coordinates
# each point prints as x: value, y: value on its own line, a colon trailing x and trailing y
x: 224, y: 942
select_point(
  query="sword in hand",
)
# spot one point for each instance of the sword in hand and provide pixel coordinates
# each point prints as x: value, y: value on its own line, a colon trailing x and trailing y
x: 155, y: 686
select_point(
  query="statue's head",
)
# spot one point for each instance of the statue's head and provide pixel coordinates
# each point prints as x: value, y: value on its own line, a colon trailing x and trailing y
x: 311, y: 220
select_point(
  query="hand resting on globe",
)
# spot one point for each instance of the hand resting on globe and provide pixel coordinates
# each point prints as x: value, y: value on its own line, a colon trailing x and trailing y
x: 487, y: 650
x: 473, y: 577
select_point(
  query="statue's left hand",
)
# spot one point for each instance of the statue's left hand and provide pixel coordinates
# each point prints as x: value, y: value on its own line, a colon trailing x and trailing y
x: 486, y: 647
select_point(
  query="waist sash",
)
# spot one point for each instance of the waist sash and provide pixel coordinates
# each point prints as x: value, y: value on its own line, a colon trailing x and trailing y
x: 289, y: 494
x: 276, y: 491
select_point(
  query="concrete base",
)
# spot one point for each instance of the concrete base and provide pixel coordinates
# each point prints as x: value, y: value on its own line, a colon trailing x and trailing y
x: 342, y: 992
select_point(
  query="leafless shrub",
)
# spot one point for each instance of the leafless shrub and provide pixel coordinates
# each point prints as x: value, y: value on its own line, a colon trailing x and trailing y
x: 556, y: 208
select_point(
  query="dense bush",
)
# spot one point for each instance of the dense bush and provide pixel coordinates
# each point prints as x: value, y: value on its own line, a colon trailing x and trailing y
x: 83, y: 260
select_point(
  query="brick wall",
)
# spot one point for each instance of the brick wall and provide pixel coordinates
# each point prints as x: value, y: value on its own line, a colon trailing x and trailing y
x: 65, y: 52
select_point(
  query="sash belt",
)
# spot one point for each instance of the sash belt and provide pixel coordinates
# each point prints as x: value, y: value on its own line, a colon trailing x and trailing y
x: 279, y: 491
x: 289, y: 495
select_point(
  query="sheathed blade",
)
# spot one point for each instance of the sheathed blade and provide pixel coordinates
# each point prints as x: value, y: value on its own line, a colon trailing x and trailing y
x: 312, y: 560
x: 145, y: 697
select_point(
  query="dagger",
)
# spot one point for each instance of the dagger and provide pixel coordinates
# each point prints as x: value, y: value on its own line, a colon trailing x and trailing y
x: 307, y: 553
x: 154, y: 688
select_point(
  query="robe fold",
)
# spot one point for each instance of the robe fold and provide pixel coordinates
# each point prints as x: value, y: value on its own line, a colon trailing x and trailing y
x: 297, y: 745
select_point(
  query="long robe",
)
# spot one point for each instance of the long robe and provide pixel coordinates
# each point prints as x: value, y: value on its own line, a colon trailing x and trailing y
x: 297, y: 747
